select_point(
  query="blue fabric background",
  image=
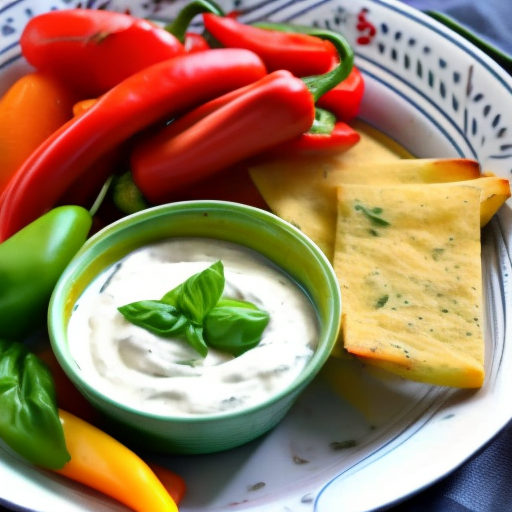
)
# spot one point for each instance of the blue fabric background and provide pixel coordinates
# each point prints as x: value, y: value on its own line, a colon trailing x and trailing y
x: 489, y: 19
x: 483, y: 484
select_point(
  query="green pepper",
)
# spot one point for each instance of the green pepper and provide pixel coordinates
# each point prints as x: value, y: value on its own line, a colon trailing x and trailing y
x: 31, y: 262
x: 29, y: 421
x: 126, y: 196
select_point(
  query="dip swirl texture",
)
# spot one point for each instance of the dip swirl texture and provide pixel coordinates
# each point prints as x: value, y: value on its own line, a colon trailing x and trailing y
x: 167, y: 376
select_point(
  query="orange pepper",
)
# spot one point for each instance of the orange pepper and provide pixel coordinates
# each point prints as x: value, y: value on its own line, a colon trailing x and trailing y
x: 104, y: 464
x: 83, y: 106
x: 33, y: 108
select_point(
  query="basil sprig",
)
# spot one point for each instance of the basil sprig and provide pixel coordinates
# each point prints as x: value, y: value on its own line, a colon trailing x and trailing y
x: 29, y: 418
x: 235, y: 326
x: 196, y: 312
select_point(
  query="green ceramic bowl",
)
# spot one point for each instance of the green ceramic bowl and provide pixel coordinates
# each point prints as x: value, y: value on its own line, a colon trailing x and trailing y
x: 263, y: 232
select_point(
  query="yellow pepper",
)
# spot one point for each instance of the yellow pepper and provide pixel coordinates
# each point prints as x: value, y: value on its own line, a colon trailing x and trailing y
x: 101, y: 462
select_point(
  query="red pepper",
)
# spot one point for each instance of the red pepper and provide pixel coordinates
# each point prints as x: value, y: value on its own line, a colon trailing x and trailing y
x: 195, y: 43
x: 159, y: 92
x: 275, y: 109
x: 299, y: 53
x: 345, y: 99
x: 342, y: 138
x: 232, y: 184
x: 240, y: 125
x: 84, y: 191
x: 94, y: 50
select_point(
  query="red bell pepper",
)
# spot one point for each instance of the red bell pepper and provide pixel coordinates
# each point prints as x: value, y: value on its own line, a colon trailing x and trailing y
x: 157, y: 93
x: 345, y: 99
x: 277, y: 108
x: 94, y: 50
x: 299, y: 53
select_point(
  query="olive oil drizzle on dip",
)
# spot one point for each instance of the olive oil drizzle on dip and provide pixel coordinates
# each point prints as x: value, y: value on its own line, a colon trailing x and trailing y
x: 167, y: 376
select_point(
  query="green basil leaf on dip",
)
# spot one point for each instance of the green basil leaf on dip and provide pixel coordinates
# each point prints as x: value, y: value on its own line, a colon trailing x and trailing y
x: 155, y: 316
x: 194, y: 311
x: 235, y: 326
x: 194, y: 335
x: 226, y: 302
x: 199, y: 294
x: 29, y: 418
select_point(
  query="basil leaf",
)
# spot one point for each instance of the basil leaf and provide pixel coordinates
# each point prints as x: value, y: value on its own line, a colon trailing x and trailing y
x: 199, y: 294
x: 196, y: 311
x: 29, y: 418
x: 194, y: 335
x: 155, y: 316
x: 235, y: 303
x: 235, y: 329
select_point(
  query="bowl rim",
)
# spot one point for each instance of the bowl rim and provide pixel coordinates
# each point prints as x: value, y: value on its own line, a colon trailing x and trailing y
x: 328, y: 333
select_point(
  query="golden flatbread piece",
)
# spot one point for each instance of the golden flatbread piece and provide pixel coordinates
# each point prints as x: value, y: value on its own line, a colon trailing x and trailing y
x: 494, y: 193
x: 302, y: 190
x: 408, y: 261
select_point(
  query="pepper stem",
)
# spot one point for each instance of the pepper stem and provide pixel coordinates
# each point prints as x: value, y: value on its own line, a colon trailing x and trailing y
x: 324, y: 122
x: 318, y: 85
x: 101, y: 197
x: 178, y: 27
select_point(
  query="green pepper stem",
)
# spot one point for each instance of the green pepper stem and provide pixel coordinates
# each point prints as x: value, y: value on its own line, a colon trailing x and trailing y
x: 178, y: 27
x: 324, y: 122
x: 101, y: 197
x: 318, y: 85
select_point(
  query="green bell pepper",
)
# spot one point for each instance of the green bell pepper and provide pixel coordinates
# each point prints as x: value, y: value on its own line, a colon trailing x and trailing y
x: 31, y: 262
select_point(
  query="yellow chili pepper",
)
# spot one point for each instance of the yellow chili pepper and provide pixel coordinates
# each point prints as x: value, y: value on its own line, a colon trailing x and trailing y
x: 101, y: 462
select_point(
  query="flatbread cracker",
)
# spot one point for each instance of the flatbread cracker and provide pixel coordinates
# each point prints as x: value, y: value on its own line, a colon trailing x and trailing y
x: 408, y: 261
x: 302, y: 190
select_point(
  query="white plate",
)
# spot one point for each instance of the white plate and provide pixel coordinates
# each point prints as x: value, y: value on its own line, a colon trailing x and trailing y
x: 439, y: 97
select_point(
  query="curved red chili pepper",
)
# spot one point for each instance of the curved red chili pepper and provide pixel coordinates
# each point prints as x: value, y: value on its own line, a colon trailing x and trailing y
x: 277, y: 108
x: 95, y: 50
x: 161, y: 91
x: 301, y: 54
x: 342, y: 138
x: 345, y: 99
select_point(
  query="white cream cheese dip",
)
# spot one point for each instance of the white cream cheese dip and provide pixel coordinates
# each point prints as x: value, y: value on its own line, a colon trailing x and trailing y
x: 167, y: 376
